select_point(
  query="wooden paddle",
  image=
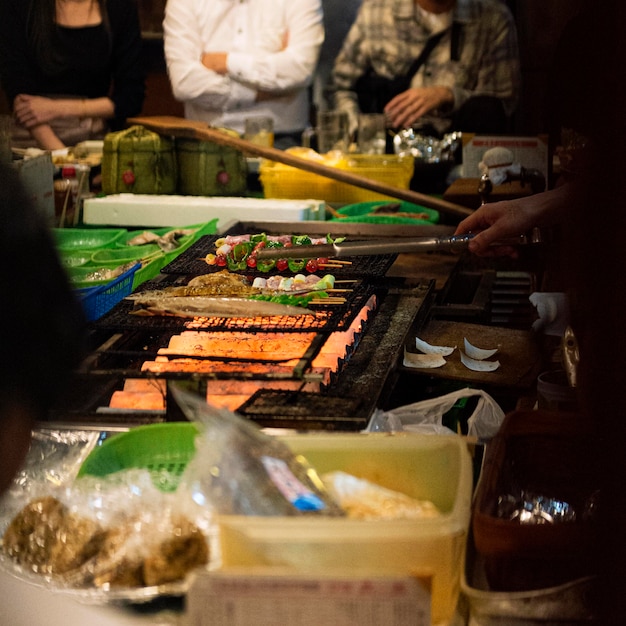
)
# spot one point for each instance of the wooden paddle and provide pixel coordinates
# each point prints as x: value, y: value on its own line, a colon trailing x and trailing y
x: 181, y: 127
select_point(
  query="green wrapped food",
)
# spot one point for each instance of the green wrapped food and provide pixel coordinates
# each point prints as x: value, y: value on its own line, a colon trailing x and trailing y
x: 207, y: 169
x: 137, y: 160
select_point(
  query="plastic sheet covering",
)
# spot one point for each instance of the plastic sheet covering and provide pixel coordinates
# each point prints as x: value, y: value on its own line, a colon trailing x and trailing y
x: 54, y: 458
x: 100, y: 539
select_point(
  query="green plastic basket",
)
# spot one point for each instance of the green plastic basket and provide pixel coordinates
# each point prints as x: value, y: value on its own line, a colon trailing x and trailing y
x: 204, y: 228
x: 163, y: 449
x: 117, y: 256
x: 86, y: 238
x: 75, y: 258
x: 363, y: 212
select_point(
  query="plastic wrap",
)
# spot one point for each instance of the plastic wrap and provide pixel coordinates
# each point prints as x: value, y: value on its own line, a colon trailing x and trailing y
x: 427, y: 415
x: 117, y: 537
x: 240, y: 470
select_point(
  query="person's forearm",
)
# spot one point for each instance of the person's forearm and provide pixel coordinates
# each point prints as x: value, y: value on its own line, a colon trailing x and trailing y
x: 82, y: 107
x: 95, y: 107
x: 547, y: 208
x: 46, y: 138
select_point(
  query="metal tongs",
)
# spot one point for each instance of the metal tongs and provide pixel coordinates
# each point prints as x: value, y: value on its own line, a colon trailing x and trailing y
x: 452, y: 243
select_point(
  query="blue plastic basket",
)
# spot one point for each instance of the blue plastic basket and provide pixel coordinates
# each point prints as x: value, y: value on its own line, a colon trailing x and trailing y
x: 100, y: 300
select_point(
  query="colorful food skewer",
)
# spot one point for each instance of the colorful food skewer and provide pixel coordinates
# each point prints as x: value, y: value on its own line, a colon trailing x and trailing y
x: 238, y: 252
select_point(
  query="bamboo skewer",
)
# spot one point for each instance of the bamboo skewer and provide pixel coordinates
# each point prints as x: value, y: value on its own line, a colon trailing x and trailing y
x: 181, y: 127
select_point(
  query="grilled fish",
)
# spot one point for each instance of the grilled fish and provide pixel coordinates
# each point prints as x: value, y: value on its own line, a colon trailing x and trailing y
x: 207, y: 306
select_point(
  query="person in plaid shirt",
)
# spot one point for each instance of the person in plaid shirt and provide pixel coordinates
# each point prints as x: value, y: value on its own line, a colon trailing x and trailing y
x: 470, y: 81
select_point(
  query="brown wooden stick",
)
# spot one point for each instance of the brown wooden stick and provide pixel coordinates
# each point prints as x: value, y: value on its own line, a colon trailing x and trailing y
x: 181, y: 127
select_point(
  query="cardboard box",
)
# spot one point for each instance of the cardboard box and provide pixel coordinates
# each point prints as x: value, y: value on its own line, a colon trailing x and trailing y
x: 464, y: 191
x: 37, y: 174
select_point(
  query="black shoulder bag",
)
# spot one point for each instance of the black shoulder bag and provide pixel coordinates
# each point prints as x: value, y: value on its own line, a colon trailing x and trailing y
x: 374, y: 91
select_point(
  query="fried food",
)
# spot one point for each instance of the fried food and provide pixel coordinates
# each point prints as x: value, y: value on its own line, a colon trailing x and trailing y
x: 51, y: 540
x: 32, y: 534
x: 183, y: 551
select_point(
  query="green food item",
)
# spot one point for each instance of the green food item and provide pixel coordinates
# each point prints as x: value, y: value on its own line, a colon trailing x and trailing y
x: 265, y: 265
x: 284, y: 299
x: 237, y: 259
x: 296, y: 265
x: 301, y: 240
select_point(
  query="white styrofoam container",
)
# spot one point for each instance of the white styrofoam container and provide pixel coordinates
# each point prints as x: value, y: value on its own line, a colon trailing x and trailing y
x: 147, y: 210
x: 432, y: 467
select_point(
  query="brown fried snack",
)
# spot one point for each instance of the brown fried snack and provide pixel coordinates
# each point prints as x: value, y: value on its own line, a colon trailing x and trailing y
x: 78, y: 539
x: 114, y: 565
x: 50, y: 539
x: 176, y: 556
x: 32, y: 533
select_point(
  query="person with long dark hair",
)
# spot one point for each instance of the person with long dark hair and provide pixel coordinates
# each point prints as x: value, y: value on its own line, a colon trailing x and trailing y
x: 71, y: 69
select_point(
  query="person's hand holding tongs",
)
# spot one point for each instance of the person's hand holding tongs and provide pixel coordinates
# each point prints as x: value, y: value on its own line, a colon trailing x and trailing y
x: 494, y: 228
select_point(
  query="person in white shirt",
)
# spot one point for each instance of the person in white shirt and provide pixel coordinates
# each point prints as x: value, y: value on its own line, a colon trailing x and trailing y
x: 232, y: 59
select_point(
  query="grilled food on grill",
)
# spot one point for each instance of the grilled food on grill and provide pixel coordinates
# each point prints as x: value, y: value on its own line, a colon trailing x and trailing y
x: 210, y: 306
x: 225, y: 294
x: 239, y: 252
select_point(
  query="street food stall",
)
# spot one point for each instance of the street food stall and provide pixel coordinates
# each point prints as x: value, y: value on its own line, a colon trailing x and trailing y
x: 243, y: 338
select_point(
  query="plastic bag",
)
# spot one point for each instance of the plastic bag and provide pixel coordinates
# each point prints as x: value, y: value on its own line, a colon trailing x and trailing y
x: 111, y: 536
x: 240, y: 470
x: 427, y: 415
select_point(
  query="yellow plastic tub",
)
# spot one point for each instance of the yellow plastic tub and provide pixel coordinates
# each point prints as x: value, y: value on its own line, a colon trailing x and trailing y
x: 283, y: 181
x: 433, y: 467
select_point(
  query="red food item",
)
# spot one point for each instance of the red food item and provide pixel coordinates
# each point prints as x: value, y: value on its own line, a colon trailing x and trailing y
x: 311, y: 266
x: 223, y: 177
x: 251, y: 261
x: 282, y: 265
x: 128, y: 176
x: 221, y: 260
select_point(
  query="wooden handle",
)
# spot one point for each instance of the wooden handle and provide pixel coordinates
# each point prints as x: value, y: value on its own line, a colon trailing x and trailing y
x: 180, y: 127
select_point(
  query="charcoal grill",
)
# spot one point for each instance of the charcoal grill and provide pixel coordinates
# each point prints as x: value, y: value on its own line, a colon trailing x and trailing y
x: 346, y: 398
x: 369, y: 377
